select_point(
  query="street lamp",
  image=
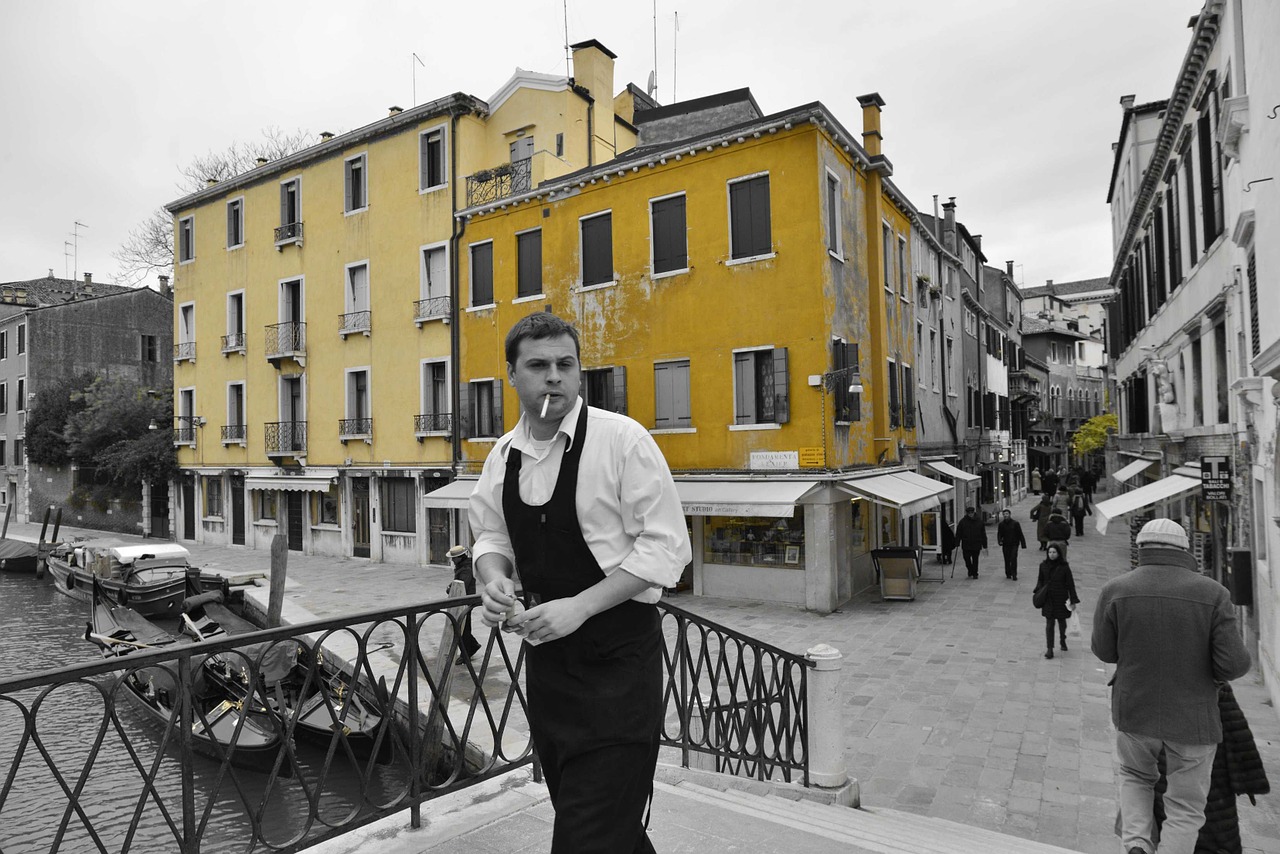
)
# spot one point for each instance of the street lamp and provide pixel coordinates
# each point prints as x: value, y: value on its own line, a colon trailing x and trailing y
x: 833, y: 381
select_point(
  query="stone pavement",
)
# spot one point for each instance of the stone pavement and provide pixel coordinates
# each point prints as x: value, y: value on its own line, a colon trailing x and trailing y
x: 950, y: 709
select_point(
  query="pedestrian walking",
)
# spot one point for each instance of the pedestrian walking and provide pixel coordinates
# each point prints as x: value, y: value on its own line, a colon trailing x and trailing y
x: 1087, y: 483
x: 1055, y: 587
x: 1035, y: 482
x: 1172, y: 634
x: 972, y: 536
x: 1058, y: 528
x: 948, y: 541
x: 1040, y: 515
x: 1050, y: 482
x: 1079, y: 506
x: 1010, y: 538
x: 468, y: 646
x: 580, y: 503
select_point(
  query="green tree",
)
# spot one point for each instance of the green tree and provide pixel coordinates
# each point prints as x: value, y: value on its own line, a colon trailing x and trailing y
x: 1092, y: 435
x: 113, y: 433
x: 48, y: 416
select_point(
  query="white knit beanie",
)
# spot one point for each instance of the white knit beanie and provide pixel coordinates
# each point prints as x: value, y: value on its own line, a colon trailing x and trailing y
x: 1163, y: 532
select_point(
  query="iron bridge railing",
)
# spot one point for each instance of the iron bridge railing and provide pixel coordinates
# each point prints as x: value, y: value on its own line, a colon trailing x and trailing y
x: 112, y: 785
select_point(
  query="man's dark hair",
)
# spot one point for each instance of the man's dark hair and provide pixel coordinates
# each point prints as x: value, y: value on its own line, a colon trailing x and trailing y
x: 968, y: 510
x: 539, y: 326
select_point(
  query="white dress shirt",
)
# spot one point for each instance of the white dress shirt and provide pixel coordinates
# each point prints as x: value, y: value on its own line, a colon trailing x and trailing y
x: 626, y: 500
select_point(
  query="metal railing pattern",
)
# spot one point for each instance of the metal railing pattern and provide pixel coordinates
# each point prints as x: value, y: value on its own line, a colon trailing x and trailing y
x: 508, y: 179
x: 355, y: 427
x: 444, y: 727
x: 355, y: 322
x: 289, y: 232
x: 431, y: 308
x: 285, y: 437
x: 286, y: 339
x: 233, y: 342
x: 184, y: 350
x: 434, y: 422
x: 234, y: 432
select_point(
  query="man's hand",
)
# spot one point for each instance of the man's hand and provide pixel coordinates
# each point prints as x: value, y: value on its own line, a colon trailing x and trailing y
x: 498, y: 598
x: 550, y: 620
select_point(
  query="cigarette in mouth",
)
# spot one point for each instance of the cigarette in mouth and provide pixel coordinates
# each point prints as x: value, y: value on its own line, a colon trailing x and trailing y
x: 546, y: 401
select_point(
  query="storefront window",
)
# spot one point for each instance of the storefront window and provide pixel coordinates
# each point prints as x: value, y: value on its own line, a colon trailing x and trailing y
x: 858, y: 543
x: 755, y: 541
x: 324, y: 507
x: 929, y: 530
x: 265, y: 506
x: 888, y: 526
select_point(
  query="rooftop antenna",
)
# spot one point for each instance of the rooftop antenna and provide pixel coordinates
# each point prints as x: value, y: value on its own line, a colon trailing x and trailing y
x: 413, y: 68
x: 66, y: 260
x: 75, y: 236
x: 675, y: 57
x: 568, y: 72
x: 653, y: 75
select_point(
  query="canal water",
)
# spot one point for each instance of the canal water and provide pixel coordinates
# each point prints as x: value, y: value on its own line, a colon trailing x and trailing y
x: 40, y: 629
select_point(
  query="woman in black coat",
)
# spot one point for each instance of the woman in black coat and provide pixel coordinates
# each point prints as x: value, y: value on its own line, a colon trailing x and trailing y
x: 1055, y: 573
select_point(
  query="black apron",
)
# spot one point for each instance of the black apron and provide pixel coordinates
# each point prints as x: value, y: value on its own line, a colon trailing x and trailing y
x: 602, y: 685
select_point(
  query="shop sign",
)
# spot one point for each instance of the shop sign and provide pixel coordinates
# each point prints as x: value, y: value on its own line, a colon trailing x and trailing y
x: 773, y: 460
x: 1215, y: 478
x: 811, y: 458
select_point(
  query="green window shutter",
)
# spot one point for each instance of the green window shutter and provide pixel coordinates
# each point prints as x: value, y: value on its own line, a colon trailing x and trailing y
x: 781, y: 391
x: 498, y: 427
x: 482, y: 274
x: 529, y: 264
x: 462, y: 419
x: 744, y: 388
x: 619, y: 379
x: 597, y: 250
x: 670, y: 243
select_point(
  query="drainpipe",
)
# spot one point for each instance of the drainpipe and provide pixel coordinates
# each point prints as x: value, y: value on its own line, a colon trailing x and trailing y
x: 455, y: 343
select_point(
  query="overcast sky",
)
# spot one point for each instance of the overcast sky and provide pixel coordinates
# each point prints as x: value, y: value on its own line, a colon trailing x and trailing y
x: 1009, y: 105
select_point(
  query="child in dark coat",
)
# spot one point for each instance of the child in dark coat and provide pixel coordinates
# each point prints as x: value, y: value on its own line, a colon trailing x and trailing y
x: 1055, y: 574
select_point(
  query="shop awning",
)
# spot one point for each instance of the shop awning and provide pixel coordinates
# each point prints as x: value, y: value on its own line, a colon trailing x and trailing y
x: 454, y: 496
x: 951, y: 471
x: 1143, y: 496
x: 906, y: 490
x: 773, y: 498
x: 315, y: 480
x: 1130, y: 471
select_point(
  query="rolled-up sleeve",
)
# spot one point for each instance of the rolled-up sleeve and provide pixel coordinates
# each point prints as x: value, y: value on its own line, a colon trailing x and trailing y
x: 651, y: 513
x: 484, y: 511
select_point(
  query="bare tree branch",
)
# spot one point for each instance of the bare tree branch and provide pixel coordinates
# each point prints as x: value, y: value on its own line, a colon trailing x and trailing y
x: 149, y: 247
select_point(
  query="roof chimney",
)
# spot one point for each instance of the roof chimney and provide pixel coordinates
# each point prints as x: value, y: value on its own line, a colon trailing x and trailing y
x: 88, y: 283
x: 1048, y: 283
x: 51, y: 272
x: 325, y: 136
x: 164, y: 286
x: 871, y: 136
x: 1126, y: 101
x: 593, y: 70
x: 262, y: 161
x: 977, y: 241
x: 949, y: 225
x: 394, y: 111
x: 1008, y: 265
x: 210, y: 182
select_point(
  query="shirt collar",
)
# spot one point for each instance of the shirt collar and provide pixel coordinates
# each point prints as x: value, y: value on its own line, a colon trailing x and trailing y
x: 523, y: 439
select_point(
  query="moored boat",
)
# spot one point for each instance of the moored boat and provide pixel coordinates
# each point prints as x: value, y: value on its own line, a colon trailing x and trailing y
x: 150, y: 578
x: 17, y: 556
x: 221, y: 729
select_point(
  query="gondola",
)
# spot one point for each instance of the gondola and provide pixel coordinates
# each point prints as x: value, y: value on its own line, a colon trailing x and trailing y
x: 149, y: 578
x: 219, y: 728
x: 318, y: 702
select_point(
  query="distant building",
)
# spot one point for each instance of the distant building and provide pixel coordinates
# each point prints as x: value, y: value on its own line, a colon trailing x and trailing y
x: 53, y: 329
x: 1074, y: 389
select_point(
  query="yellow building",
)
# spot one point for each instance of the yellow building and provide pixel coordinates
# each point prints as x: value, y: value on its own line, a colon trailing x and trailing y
x: 742, y: 285
x: 315, y: 299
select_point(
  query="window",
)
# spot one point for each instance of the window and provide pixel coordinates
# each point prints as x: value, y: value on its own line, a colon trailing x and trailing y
x: 894, y: 420
x: 669, y: 236
x: 434, y: 273
x: 482, y: 274
x: 431, y: 159
x: 357, y: 193
x: 970, y: 323
x: 186, y: 239
x: 749, y: 223
x: 1221, y: 374
x: 529, y: 263
x: 3, y: 457
x: 1210, y: 175
x: 398, y: 505
x: 264, y: 505
x: 833, y: 215
x: 185, y: 348
x: 559, y: 145
x: 886, y: 249
x: 213, y: 496
x: 4, y: 342
x: 606, y: 388
x: 482, y: 406
x: 290, y: 210
x: 235, y: 223
x: 904, y: 281
x: 22, y: 339
x: 357, y: 295
x: 435, y: 398
x: 760, y: 386
x: 848, y: 371
x: 357, y: 409
x: 4, y: 402
x: 234, y: 431
x: 1188, y: 183
x: 324, y: 507
x: 949, y: 375
x: 148, y: 348
x: 908, y: 398
x: 671, y: 395
x: 597, y: 249
x: 18, y: 453
x: 933, y: 359
x: 234, y: 339
x: 20, y: 399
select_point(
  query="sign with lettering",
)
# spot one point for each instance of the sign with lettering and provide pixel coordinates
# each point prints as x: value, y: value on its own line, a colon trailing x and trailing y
x: 772, y: 460
x: 811, y: 458
x: 1215, y: 478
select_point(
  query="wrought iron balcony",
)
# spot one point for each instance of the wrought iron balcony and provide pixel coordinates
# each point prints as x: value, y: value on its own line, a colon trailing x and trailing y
x: 184, y: 350
x: 234, y: 433
x: 432, y: 308
x: 355, y: 428
x: 286, y: 340
x: 355, y: 323
x: 509, y: 179
x: 285, y: 438
x: 435, y: 422
x: 184, y: 429
x: 289, y: 233
x: 233, y: 343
